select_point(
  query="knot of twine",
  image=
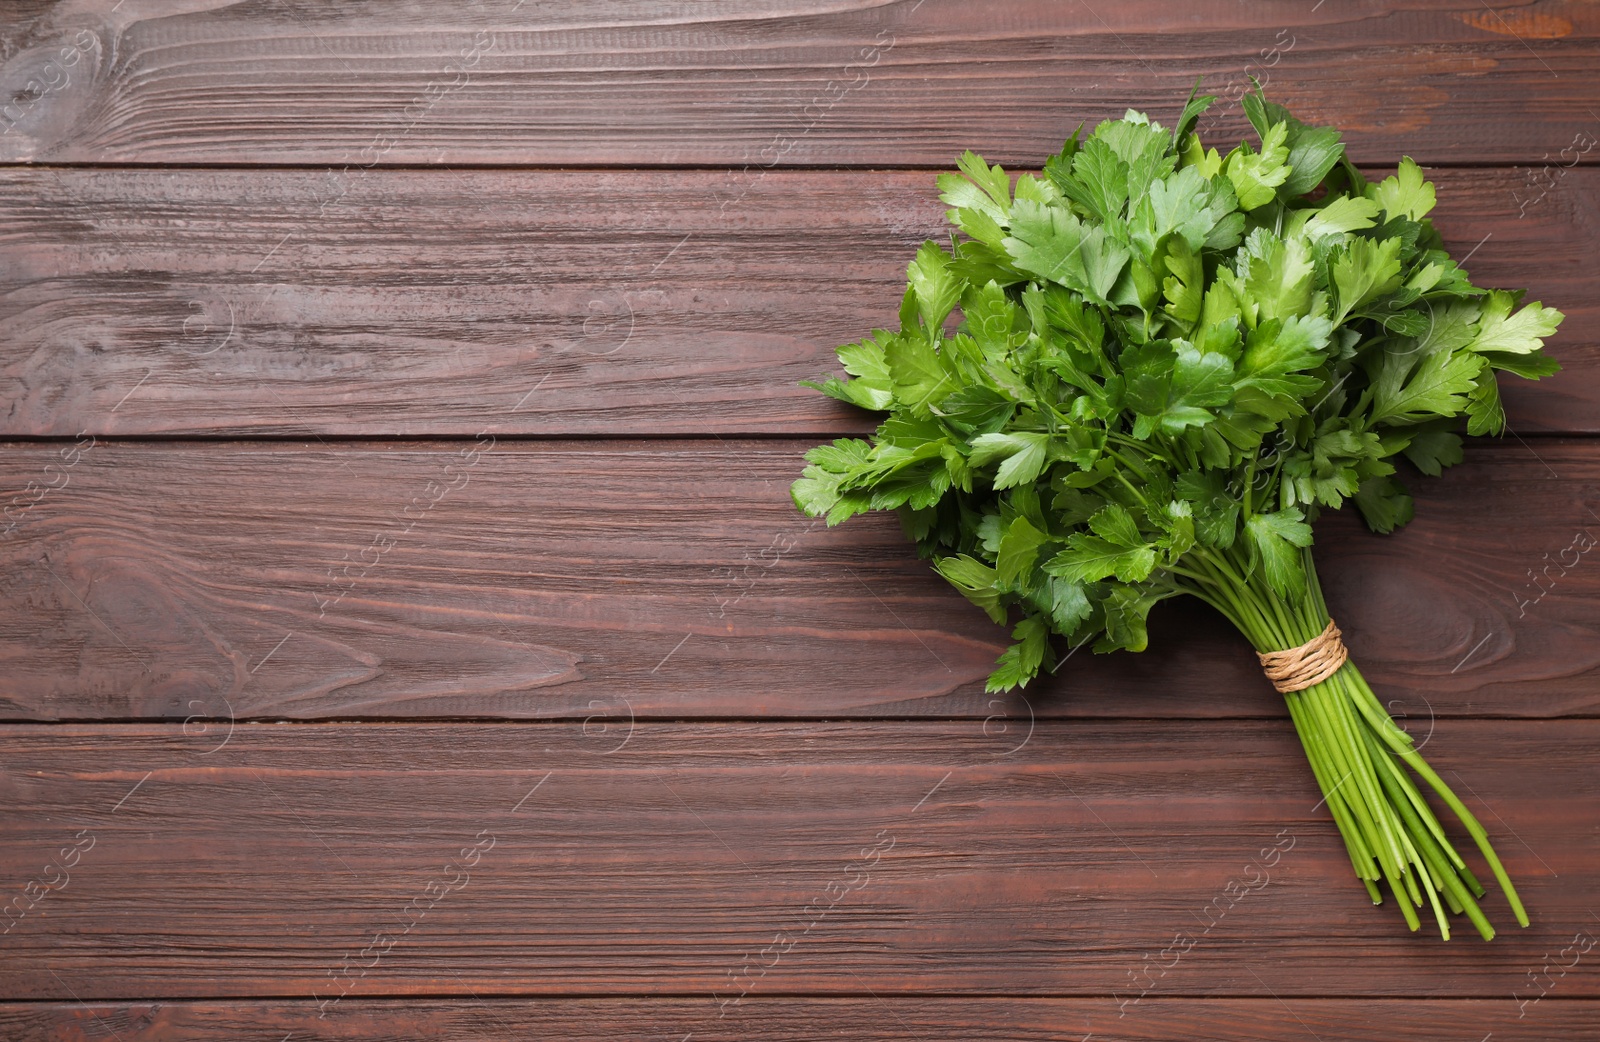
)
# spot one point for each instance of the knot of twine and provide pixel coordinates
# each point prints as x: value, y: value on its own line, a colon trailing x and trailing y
x: 1295, y: 669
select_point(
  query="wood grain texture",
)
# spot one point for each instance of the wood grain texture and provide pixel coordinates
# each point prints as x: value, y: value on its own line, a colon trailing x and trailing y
x: 896, y: 860
x: 493, y: 688
x: 787, y: 1019
x: 598, y: 303
x: 826, y: 82
x: 616, y: 578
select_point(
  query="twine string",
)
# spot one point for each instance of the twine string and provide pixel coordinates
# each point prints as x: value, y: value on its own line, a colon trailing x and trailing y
x: 1295, y: 669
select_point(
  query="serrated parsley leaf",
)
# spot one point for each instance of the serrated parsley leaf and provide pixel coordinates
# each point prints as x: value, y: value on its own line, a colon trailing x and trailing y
x: 936, y: 287
x: 1365, y: 269
x: 984, y: 189
x: 1435, y: 388
x: 872, y: 386
x: 1431, y: 451
x: 1519, y: 333
x: 1343, y: 214
x: 1184, y: 288
x: 1276, y: 539
x: 1019, y: 548
x: 1257, y: 175
x: 1114, y: 524
x: 1020, y: 662
x: 1313, y: 151
x: 1048, y: 241
x: 1069, y: 606
x: 1177, y: 518
x: 1405, y: 194
x: 1021, y: 455
x: 974, y: 579
x: 1044, y: 241
x: 1126, y: 611
x: 917, y: 371
x: 1201, y: 378
x: 1384, y: 504
x: 1484, y: 412
x: 1530, y: 366
x: 1277, y: 276
x: 1277, y: 352
x: 1090, y: 558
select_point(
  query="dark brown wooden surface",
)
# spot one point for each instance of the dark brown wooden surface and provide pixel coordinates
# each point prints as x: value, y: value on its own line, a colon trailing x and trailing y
x: 397, y: 410
x: 671, y: 578
x: 731, y: 84
x: 656, y: 862
x: 424, y: 304
x: 801, y: 1020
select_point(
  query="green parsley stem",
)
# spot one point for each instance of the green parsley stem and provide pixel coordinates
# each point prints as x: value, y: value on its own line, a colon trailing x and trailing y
x: 1358, y: 755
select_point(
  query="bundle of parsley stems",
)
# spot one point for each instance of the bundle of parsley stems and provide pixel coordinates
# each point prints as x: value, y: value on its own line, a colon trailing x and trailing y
x: 1167, y: 363
x: 1352, y: 742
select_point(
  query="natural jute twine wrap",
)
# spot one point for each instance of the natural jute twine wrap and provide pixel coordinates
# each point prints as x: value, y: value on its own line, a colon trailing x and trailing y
x: 1295, y: 669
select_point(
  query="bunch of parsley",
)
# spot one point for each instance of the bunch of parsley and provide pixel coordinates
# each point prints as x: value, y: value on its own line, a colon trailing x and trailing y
x: 1143, y: 374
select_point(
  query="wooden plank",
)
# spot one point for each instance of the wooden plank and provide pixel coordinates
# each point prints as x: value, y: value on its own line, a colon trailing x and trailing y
x: 506, y: 579
x: 791, y: 1019
x: 225, y: 301
x: 891, y: 858
x: 726, y: 84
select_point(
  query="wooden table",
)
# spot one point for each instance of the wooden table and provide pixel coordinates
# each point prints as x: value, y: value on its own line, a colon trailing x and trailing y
x: 405, y: 631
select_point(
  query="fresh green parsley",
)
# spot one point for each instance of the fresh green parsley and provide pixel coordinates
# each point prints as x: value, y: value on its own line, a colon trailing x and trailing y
x: 1143, y: 373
